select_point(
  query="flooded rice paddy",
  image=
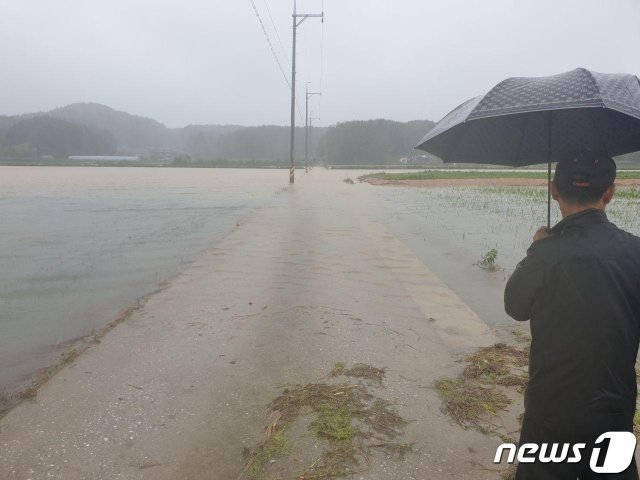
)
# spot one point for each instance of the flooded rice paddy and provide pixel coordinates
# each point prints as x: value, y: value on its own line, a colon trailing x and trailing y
x: 78, y: 244
x: 450, y: 228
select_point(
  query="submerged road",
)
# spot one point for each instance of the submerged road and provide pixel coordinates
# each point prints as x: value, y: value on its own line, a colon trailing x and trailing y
x: 179, y: 389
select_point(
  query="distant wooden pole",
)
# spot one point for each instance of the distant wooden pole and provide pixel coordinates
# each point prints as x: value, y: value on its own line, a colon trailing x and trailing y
x: 311, y: 119
x: 306, y: 130
x: 307, y: 133
x: 296, y: 24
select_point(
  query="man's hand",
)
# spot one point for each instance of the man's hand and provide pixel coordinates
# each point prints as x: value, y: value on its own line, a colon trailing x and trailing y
x: 543, y: 232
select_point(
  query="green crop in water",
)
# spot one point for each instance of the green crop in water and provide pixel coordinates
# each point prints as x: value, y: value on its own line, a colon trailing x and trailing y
x: 489, y: 259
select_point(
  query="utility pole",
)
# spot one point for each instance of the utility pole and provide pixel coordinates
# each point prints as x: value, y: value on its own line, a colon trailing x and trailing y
x: 306, y: 127
x: 311, y: 119
x: 296, y: 24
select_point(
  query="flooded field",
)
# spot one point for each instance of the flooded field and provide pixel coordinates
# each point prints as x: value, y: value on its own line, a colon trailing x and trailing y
x: 323, y: 277
x: 79, y: 244
x: 450, y: 228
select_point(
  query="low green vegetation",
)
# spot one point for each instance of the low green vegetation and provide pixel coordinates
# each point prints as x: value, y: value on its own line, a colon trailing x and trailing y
x: 30, y: 392
x: 367, y: 372
x: 277, y: 445
x: 454, y: 174
x: 499, y: 364
x: 349, y: 181
x: 489, y: 173
x: 347, y: 418
x: 334, y: 423
x: 489, y: 260
x: 631, y: 193
x: 484, y: 389
x: 338, y: 369
x: 478, y: 394
x: 468, y: 402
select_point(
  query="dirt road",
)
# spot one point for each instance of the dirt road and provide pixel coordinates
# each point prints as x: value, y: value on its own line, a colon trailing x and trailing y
x: 180, y: 388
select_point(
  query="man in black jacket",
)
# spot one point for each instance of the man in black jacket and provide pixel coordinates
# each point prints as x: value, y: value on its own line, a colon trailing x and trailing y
x: 580, y: 287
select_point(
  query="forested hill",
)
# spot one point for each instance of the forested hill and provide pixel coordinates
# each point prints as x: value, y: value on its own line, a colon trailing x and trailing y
x: 131, y: 132
x: 94, y: 129
x: 59, y: 138
x: 372, y: 142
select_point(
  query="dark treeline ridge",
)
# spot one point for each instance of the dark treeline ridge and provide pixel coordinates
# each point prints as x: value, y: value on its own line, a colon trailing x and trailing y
x: 372, y: 142
x: 89, y: 129
x: 59, y: 138
x: 93, y: 129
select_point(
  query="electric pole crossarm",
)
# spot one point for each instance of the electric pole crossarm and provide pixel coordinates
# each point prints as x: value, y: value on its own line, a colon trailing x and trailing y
x: 303, y: 17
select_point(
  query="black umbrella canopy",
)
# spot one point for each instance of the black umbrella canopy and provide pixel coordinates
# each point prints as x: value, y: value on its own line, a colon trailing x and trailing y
x: 525, y: 121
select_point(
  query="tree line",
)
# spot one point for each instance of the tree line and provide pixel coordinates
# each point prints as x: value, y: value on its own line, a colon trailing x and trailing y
x: 93, y: 129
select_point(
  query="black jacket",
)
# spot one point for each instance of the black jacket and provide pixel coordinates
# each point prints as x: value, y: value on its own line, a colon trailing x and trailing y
x: 580, y: 288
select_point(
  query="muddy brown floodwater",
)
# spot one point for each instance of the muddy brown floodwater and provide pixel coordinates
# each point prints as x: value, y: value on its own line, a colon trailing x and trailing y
x: 79, y: 244
x: 326, y: 273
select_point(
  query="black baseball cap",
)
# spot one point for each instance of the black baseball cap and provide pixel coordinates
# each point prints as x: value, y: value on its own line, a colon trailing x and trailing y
x: 584, y: 169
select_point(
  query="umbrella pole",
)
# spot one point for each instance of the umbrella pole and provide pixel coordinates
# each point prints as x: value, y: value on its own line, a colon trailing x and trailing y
x: 549, y: 172
x: 549, y: 194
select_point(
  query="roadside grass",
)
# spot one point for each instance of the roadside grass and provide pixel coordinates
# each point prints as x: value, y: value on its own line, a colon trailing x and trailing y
x: 461, y: 174
x: 479, y: 393
x: 636, y: 417
x: 509, y: 473
x: 30, y: 392
x: 348, y: 418
x: 485, y: 388
x: 454, y: 174
x: 499, y: 364
x: 338, y: 369
x: 277, y: 445
x: 368, y: 372
x: 467, y: 402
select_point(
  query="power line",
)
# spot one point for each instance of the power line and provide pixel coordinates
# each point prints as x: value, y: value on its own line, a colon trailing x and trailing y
x: 321, y: 62
x: 273, y: 51
x: 275, y: 28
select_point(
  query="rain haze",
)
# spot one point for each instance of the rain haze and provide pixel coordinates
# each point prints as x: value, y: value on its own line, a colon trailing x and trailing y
x: 191, y: 289
x: 208, y: 62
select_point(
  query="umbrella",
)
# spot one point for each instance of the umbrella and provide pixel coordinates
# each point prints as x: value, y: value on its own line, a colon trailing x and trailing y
x: 526, y: 121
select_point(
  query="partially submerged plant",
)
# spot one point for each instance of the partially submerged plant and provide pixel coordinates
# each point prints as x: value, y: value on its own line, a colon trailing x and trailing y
x: 348, y: 181
x: 489, y: 260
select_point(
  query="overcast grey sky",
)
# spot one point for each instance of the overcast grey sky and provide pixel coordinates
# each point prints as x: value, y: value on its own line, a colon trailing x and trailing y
x: 207, y: 61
